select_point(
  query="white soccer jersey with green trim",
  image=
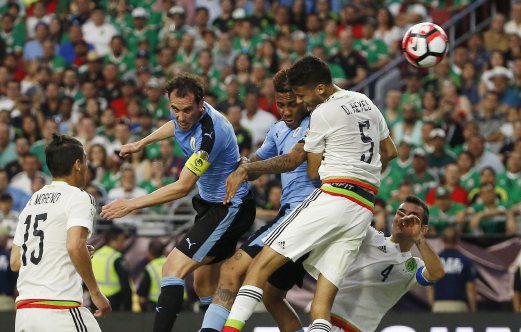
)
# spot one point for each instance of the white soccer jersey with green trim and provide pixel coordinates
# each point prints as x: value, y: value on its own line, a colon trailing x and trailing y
x: 46, y: 269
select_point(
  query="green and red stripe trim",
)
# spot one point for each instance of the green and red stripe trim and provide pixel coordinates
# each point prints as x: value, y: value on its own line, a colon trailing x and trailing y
x: 233, y: 325
x: 47, y: 304
x: 354, y: 181
x: 350, y: 195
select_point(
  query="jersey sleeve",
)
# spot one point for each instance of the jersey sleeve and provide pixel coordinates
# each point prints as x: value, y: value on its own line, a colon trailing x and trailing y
x: 268, y: 148
x: 383, y: 130
x: 81, y: 210
x: 318, y: 129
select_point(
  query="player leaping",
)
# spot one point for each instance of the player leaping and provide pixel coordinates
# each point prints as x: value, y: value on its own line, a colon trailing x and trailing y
x: 285, y: 138
x: 347, y: 142
x: 208, y: 141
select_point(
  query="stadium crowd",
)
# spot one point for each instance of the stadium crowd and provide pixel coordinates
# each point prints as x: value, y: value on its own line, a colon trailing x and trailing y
x: 95, y: 70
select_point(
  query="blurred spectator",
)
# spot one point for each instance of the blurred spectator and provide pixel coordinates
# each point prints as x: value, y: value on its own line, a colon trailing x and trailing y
x: 20, y: 198
x: 300, y: 45
x: 97, y: 157
x: 391, y: 111
x: 7, y: 277
x: 409, y: 127
x: 421, y: 177
x: 98, y: 32
x: 516, y: 299
x: 487, y: 176
x: 270, y: 209
x: 440, y: 156
x: 496, y: 37
x: 224, y: 21
x: 111, y: 89
x: 173, y: 161
x: 393, y: 175
x: 11, y: 97
x: 374, y: 49
x: 33, y: 49
x: 223, y: 53
x: 456, y: 292
x: 22, y: 149
x: 476, y: 147
x: 38, y: 148
x: 488, y: 215
x: 445, y: 212
x: 111, y: 270
x: 408, y: 12
x: 87, y: 134
x: 256, y: 120
x: 453, y: 102
x: 350, y: 60
x: 7, y: 146
x: 38, y: 16
x: 514, y: 25
x: 141, y: 166
x: 430, y: 108
x: 451, y: 182
x: 30, y: 171
x: 243, y: 135
x: 478, y: 54
x: 88, y: 89
x: 12, y: 37
x: 69, y: 48
x: 150, y: 285
x: 122, y: 136
x: 387, y: 31
x: 490, y: 119
x: 404, y: 189
x: 510, y: 179
x: 165, y: 61
x: 126, y: 189
x: 8, y: 216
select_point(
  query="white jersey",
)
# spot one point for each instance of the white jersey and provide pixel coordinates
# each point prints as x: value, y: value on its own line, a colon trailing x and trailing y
x: 347, y: 128
x: 377, y: 279
x: 46, y: 269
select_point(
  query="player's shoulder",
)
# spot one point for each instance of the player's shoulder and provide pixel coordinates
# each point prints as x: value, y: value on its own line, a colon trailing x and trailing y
x: 79, y: 194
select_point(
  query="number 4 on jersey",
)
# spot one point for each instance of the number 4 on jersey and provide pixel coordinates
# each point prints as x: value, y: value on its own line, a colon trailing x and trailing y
x: 366, y: 157
x: 36, y: 232
x: 385, y: 272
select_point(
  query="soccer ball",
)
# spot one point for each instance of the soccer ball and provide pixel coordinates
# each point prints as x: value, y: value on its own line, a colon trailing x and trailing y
x: 424, y: 45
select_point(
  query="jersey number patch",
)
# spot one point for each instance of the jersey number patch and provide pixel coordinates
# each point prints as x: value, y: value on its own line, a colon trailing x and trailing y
x: 36, y: 232
x: 385, y: 272
x: 368, y: 156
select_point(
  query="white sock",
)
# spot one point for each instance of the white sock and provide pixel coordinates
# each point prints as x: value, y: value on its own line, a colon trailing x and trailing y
x: 320, y: 325
x: 245, y: 302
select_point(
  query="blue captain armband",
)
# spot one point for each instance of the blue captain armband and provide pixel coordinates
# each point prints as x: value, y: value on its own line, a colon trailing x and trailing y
x: 421, y: 279
x: 198, y: 162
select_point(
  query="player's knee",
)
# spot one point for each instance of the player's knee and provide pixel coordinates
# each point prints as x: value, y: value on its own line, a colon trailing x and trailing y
x: 231, y: 273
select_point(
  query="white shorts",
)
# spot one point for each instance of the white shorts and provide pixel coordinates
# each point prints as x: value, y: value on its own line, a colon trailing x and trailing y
x: 331, y: 228
x: 55, y: 320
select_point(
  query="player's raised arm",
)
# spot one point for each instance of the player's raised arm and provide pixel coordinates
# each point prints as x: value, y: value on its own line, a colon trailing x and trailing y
x: 80, y: 258
x: 121, y: 207
x: 387, y: 151
x: 250, y: 171
x: 163, y: 132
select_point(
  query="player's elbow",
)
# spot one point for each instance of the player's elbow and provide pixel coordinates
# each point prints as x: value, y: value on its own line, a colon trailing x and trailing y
x: 74, y: 247
x: 313, y: 174
x: 437, y: 273
x: 15, y: 265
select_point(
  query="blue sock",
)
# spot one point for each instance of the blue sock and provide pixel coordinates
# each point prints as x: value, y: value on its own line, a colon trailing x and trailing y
x: 172, y: 281
x: 214, y: 318
x: 204, y: 302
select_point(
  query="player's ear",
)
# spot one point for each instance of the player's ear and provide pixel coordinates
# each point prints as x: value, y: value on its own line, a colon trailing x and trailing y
x: 77, y: 165
x: 425, y: 229
x: 320, y: 89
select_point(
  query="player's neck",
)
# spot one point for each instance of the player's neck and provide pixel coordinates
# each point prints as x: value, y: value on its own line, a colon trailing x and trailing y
x: 404, y: 246
x: 331, y: 90
x: 67, y: 179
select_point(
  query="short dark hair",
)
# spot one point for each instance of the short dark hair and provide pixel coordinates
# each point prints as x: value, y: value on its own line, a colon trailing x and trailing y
x: 309, y: 71
x: 62, y: 153
x: 418, y: 201
x: 450, y: 235
x: 184, y: 84
x: 281, y: 82
x: 156, y: 248
x: 113, y: 232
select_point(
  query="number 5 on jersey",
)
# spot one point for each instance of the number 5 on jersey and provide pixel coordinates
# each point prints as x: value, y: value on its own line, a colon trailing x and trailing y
x: 36, y: 232
x: 368, y: 156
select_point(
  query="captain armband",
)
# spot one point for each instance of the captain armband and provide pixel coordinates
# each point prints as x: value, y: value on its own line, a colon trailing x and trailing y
x: 421, y: 279
x: 198, y: 162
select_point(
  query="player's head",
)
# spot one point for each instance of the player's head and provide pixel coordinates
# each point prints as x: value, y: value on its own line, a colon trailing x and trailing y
x: 309, y: 79
x: 412, y: 206
x: 155, y: 249
x: 185, y: 93
x: 116, y: 237
x: 292, y: 112
x: 66, y: 159
x: 450, y: 236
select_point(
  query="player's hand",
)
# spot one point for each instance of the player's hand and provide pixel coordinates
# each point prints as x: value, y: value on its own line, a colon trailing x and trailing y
x: 90, y: 249
x: 130, y: 148
x: 233, y: 182
x: 411, y: 225
x: 116, y: 209
x: 102, y: 303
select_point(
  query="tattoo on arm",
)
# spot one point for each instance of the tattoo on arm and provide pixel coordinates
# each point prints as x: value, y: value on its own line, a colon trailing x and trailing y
x: 279, y: 164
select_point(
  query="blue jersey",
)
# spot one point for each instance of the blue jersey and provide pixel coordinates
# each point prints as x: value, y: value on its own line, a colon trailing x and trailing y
x: 458, y: 271
x: 296, y: 185
x: 212, y: 152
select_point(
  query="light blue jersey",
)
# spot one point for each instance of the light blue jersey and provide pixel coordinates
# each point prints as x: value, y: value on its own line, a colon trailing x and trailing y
x: 212, y: 153
x: 296, y: 185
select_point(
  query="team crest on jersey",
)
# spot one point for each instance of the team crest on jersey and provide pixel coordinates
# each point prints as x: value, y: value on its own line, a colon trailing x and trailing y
x: 192, y: 142
x: 296, y: 132
x: 410, y: 265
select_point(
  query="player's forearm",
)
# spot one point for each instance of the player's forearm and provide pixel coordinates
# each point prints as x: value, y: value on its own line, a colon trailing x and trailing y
x: 15, y: 263
x: 162, y: 195
x: 163, y: 132
x: 279, y: 164
x: 80, y: 258
x: 432, y: 261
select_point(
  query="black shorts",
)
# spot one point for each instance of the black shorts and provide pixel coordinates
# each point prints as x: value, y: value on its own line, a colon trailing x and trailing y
x: 217, y: 229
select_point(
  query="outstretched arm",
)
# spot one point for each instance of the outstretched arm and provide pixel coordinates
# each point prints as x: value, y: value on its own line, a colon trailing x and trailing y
x: 121, y: 207
x: 165, y: 131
